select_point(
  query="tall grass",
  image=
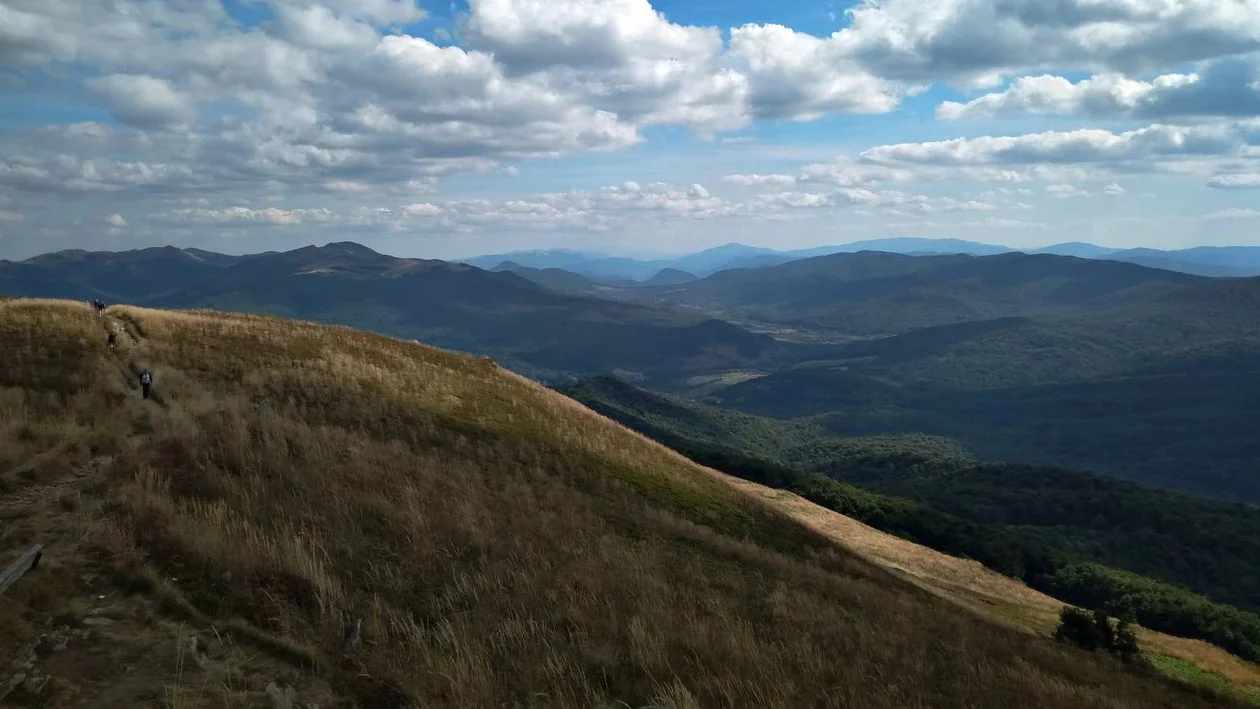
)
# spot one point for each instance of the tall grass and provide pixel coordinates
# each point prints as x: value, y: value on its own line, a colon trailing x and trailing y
x: 503, y: 545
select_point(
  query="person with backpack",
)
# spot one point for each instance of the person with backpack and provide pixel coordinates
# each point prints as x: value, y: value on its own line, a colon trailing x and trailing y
x: 146, y: 381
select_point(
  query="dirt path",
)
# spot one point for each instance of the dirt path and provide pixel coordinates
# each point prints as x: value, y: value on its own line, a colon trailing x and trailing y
x: 48, y: 493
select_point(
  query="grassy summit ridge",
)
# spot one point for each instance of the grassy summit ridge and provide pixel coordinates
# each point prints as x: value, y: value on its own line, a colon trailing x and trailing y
x: 503, y: 545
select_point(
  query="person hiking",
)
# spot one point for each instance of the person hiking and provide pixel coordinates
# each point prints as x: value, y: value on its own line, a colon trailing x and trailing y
x: 146, y: 381
x: 113, y: 339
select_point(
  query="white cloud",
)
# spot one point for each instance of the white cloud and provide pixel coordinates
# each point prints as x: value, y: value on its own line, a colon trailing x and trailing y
x: 1061, y: 191
x: 143, y: 101
x: 1227, y: 87
x: 622, y: 56
x: 68, y: 173
x: 422, y: 209
x: 976, y: 42
x: 901, y: 202
x: 1079, y: 146
x: 319, y: 27
x: 1107, y: 94
x: 533, y: 35
x: 795, y: 199
x: 801, y: 77
x: 347, y: 186
x: 858, y: 195
x: 1236, y: 181
x: 116, y: 220
x: 1228, y: 214
x: 755, y: 180
x: 245, y: 216
x: 330, y: 109
x: 10, y: 217
x: 376, y: 12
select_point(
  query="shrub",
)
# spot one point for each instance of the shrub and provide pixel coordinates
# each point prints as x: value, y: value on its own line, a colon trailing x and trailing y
x: 1094, y: 632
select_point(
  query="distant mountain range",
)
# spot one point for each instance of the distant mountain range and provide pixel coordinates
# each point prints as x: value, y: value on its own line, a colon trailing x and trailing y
x: 1214, y: 261
x: 1114, y: 367
x: 542, y: 331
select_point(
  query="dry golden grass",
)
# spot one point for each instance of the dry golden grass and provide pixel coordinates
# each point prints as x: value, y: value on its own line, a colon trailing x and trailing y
x: 971, y: 584
x: 503, y: 545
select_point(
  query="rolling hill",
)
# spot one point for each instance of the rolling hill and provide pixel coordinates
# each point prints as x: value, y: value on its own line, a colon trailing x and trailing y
x: 307, y: 514
x: 670, y: 277
x: 536, y: 330
x: 875, y: 293
x: 556, y: 279
x: 1213, y: 261
x: 1190, y: 429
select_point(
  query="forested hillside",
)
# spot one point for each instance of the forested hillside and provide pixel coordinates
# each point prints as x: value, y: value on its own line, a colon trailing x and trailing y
x: 1056, y: 529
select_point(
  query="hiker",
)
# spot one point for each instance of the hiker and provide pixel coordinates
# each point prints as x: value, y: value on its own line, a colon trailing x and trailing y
x: 146, y: 381
x: 113, y: 339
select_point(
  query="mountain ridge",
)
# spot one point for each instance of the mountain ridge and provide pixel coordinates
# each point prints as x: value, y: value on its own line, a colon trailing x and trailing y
x: 539, y: 330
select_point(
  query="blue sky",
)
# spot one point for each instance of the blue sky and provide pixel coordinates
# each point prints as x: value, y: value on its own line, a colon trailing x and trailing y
x: 446, y: 130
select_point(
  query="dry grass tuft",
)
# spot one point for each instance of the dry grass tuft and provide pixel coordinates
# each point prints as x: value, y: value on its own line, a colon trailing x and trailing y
x: 502, y: 545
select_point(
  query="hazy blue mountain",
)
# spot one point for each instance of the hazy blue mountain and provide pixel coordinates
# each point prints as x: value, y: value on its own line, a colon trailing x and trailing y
x: 541, y: 258
x: 1079, y: 249
x: 880, y: 293
x: 727, y: 256
x: 1239, y: 261
x: 912, y: 244
x: 1212, y: 261
x: 670, y: 277
x: 556, y: 279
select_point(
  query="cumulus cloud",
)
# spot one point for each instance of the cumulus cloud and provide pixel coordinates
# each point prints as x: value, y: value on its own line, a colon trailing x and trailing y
x: 897, y: 201
x: 347, y: 186
x: 795, y: 199
x: 1063, y: 191
x: 1228, y: 214
x: 320, y: 27
x: 143, y: 101
x: 621, y: 56
x: 334, y: 103
x: 116, y: 220
x: 1236, y: 181
x: 1078, y: 146
x: 10, y: 217
x: 801, y: 77
x: 422, y: 209
x: 1113, y: 190
x: 976, y: 42
x: 68, y: 173
x: 755, y: 180
x: 247, y: 216
x: 1226, y: 88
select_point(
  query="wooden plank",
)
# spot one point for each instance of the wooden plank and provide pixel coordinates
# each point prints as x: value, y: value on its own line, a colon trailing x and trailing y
x: 24, y: 563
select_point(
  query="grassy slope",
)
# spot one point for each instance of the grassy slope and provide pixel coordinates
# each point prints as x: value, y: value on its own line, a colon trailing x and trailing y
x: 1205, y: 545
x: 503, y: 545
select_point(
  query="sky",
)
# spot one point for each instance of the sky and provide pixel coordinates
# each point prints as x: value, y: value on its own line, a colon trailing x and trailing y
x: 445, y: 130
